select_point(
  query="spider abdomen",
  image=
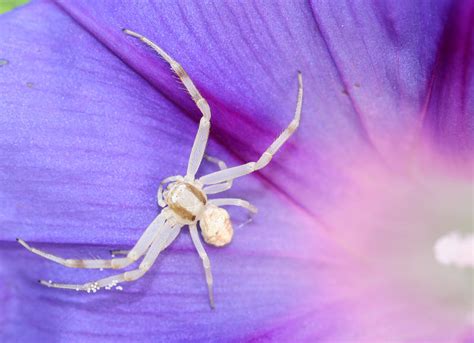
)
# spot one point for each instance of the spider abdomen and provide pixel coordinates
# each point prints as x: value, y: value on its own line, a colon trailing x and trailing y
x: 186, y: 200
x: 216, y: 227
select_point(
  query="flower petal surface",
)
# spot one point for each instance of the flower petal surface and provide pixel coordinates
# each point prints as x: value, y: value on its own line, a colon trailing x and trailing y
x: 92, y: 120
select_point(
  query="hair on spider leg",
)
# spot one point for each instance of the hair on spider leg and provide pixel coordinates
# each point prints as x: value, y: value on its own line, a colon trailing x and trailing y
x: 115, y: 252
x: 182, y: 87
x: 91, y: 255
x: 179, y: 82
x: 248, y: 221
x: 250, y: 218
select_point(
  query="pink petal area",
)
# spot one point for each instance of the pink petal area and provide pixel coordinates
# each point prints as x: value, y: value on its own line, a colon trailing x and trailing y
x: 393, y: 222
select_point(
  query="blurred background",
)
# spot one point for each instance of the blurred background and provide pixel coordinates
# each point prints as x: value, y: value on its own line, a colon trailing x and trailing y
x: 7, y: 5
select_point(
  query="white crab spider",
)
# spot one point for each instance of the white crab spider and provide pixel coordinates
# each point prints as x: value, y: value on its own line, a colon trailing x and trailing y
x: 184, y: 201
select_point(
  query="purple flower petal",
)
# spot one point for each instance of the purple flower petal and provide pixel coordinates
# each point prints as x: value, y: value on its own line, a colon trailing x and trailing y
x: 448, y: 114
x: 392, y: 47
x: 95, y: 120
x: 254, y: 99
x: 86, y: 143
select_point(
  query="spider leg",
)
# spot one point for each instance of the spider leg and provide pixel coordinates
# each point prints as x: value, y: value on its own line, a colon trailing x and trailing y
x: 137, y: 251
x: 234, y: 202
x: 265, y: 158
x: 161, y: 200
x: 221, y: 187
x: 156, y: 247
x: 221, y: 164
x: 205, y: 261
x: 170, y: 240
x: 119, y: 252
x: 172, y: 236
x: 202, y: 135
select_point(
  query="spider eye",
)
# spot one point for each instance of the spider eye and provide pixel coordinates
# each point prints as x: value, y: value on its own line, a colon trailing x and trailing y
x: 216, y: 227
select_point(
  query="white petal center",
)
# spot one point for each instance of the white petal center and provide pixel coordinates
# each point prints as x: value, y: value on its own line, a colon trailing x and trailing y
x: 455, y: 249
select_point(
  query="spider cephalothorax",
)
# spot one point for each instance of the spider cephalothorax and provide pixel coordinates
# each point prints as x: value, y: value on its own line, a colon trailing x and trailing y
x: 186, y: 199
x: 185, y: 202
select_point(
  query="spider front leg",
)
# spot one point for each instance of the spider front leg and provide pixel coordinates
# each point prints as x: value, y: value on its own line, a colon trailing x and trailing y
x: 161, y: 200
x: 170, y: 240
x: 202, y: 135
x: 156, y: 247
x: 236, y: 202
x: 265, y: 158
x: 115, y: 263
x: 119, y: 252
x: 205, y: 261
x: 221, y: 187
